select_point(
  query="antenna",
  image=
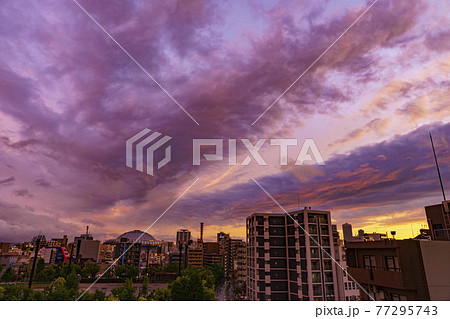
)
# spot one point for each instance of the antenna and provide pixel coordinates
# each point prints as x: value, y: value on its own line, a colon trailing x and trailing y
x: 437, y: 167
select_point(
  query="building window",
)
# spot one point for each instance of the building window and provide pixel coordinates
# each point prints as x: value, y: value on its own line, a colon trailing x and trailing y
x: 317, y: 290
x: 277, y: 252
x: 328, y: 276
x: 277, y: 231
x: 392, y: 263
x: 276, y: 220
x: 369, y: 262
x: 314, y: 252
x: 312, y: 229
x: 316, y: 277
x: 325, y: 241
x: 277, y: 241
x: 315, y: 265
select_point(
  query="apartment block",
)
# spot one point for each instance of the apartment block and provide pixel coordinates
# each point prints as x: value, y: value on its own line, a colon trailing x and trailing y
x: 284, y: 260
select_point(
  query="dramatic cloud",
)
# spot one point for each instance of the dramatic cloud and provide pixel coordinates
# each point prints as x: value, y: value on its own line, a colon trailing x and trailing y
x: 70, y: 98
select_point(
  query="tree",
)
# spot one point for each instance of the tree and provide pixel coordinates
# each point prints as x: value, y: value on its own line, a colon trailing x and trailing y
x: 72, y: 283
x: 159, y: 294
x: 132, y: 272
x: 91, y: 269
x: 144, y: 289
x: 20, y: 292
x: 9, y: 275
x: 172, y: 267
x: 98, y: 295
x: 190, y: 286
x: 57, y: 290
x: 218, y: 272
x: 127, y: 291
x: 119, y: 270
x: 205, y: 274
x: 40, y: 265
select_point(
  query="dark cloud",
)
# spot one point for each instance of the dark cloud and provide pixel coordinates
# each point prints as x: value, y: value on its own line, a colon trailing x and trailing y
x: 74, y: 97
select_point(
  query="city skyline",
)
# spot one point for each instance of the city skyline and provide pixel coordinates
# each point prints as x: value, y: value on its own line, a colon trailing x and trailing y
x: 71, y: 98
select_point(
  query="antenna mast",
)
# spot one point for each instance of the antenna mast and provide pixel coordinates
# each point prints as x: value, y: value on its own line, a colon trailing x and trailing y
x: 437, y: 167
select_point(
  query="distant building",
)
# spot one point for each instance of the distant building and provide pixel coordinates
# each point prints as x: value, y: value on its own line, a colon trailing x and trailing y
x: 4, y: 248
x: 362, y: 236
x: 106, y: 253
x: 240, y: 266
x: 58, y: 242
x: 284, y: 263
x: 85, y: 247
x: 211, y: 254
x: 401, y: 269
x: 183, y: 236
x: 438, y: 217
x: 195, y: 257
x: 137, y: 248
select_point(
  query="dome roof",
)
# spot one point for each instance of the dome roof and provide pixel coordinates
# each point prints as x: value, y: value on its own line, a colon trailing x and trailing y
x: 134, y: 236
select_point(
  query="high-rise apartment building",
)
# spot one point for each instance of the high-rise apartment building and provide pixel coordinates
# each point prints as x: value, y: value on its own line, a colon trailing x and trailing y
x: 284, y: 262
x: 240, y: 265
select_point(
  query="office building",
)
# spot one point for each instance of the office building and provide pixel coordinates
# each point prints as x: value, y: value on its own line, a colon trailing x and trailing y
x: 4, y: 248
x: 211, y: 254
x: 400, y: 269
x: 195, y: 257
x: 183, y: 236
x: 284, y: 262
x: 85, y: 247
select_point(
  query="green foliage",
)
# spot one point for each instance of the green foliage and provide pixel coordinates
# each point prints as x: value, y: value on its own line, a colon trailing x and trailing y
x: 57, y: 290
x: 219, y: 273
x: 191, y: 286
x: 40, y: 265
x: 144, y: 289
x: 9, y: 275
x: 172, y: 267
x: 72, y: 282
x: 98, y: 295
x: 159, y: 294
x: 91, y: 269
x: 48, y: 273
x: 127, y: 291
x: 20, y: 292
x: 132, y: 272
x: 1, y: 268
x: 120, y: 270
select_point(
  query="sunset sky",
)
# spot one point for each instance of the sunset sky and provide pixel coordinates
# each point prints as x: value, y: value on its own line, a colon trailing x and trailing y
x: 70, y: 98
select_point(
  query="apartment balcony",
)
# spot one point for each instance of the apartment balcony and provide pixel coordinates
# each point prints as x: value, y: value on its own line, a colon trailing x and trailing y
x: 379, y: 277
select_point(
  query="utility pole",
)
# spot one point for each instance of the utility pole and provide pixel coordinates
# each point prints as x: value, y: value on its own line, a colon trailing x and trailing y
x: 37, y: 246
x: 180, y: 259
